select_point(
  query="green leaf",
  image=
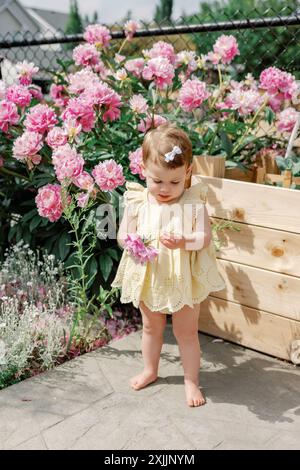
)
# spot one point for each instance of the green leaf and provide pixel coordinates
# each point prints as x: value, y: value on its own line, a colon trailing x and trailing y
x: 35, y: 222
x: 282, y: 163
x: 92, y: 269
x: 63, y: 245
x: 296, y: 169
x: 269, y: 115
x: 226, y: 143
x: 29, y: 215
x: 106, y: 264
x: 113, y: 253
x: 12, y: 232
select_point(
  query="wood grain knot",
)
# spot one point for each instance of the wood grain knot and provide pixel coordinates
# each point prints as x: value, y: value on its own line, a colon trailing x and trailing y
x: 277, y: 251
x: 238, y: 213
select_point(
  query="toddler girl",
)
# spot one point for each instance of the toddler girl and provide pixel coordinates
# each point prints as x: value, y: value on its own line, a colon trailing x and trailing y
x: 174, y: 218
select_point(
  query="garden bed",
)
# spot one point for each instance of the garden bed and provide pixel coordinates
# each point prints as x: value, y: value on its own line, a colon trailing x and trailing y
x: 260, y: 306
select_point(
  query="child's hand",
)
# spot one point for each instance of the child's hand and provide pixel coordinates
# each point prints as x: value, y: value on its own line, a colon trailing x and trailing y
x: 172, y: 241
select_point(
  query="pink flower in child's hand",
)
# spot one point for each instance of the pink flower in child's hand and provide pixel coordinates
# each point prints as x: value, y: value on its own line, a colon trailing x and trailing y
x: 138, y: 249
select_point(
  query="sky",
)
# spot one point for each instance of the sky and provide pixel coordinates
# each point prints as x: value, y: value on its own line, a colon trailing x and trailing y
x: 114, y: 10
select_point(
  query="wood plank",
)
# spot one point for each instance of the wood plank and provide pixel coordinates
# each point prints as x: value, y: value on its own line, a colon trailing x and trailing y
x: 261, y: 247
x: 261, y: 289
x: 249, y: 327
x: 255, y: 204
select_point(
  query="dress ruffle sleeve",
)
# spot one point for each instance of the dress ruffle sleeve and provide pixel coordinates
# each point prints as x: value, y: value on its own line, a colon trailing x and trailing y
x: 197, y: 192
x: 134, y: 196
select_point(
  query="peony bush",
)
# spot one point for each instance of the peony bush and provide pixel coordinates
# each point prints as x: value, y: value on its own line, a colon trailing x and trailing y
x: 75, y: 147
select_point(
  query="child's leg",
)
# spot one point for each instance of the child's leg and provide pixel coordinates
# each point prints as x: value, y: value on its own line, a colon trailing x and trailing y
x: 185, y: 327
x: 152, y: 340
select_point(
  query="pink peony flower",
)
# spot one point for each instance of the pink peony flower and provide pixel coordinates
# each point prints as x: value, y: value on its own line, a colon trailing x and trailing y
x: 84, y: 181
x: 28, y: 145
x: 25, y: 71
x: 82, y: 111
x: 130, y: 28
x: 138, y: 104
x: 72, y: 128
x: 135, y: 66
x: 67, y: 162
x: 213, y: 57
x: 58, y: 94
x: 160, y: 70
x: 136, y: 159
x: 98, y: 35
x: 18, y: 94
x: 102, y: 70
x: 151, y: 122
x: 49, y: 203
x: 82, y: 199
x: 244, y: 101
x: 56, y: 137
x: 188, y: 59
x: 108, y: 175
x: 40, y: 118
x: 162, y: 49
x: 287, y: 120
x: 102, y: 95
x: 8, y: 115
x: 138, y: 249
x: 226, y: 47
x: 192, y: 94
x: 36, y: 92
x: 274, y: 81
x: 81, y: 80
x: 119, y: 58
x: 86, y: 54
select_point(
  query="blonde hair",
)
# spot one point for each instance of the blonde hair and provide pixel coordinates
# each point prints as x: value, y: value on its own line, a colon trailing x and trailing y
x: 161, y: 140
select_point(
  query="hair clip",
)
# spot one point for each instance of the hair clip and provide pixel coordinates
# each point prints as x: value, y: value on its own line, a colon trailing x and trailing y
x: 171, y: 155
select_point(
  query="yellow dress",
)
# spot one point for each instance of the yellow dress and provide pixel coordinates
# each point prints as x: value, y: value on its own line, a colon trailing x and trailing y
x: 176, y: 277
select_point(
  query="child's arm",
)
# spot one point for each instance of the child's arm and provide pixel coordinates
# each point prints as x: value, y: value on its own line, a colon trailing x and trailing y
x: 199, y: 238
x: 202, y: 233
x: 127, y: 226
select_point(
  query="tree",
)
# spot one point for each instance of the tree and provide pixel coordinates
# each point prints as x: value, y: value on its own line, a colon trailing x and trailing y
x: 163, y: 11
x: 74, y: 24
x: 95, y: 17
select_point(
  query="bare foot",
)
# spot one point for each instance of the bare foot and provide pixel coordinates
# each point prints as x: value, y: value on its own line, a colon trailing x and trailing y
x: 194, y: 396
x: 142, y: 380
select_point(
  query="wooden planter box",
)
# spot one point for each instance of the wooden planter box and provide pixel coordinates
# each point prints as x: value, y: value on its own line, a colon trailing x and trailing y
x: 260, y: 306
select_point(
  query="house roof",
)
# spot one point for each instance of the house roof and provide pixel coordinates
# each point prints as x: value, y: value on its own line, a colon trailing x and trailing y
x: 55, y: 19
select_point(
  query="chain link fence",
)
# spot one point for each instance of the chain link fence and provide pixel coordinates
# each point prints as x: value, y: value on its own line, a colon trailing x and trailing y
x: 265, y: 37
